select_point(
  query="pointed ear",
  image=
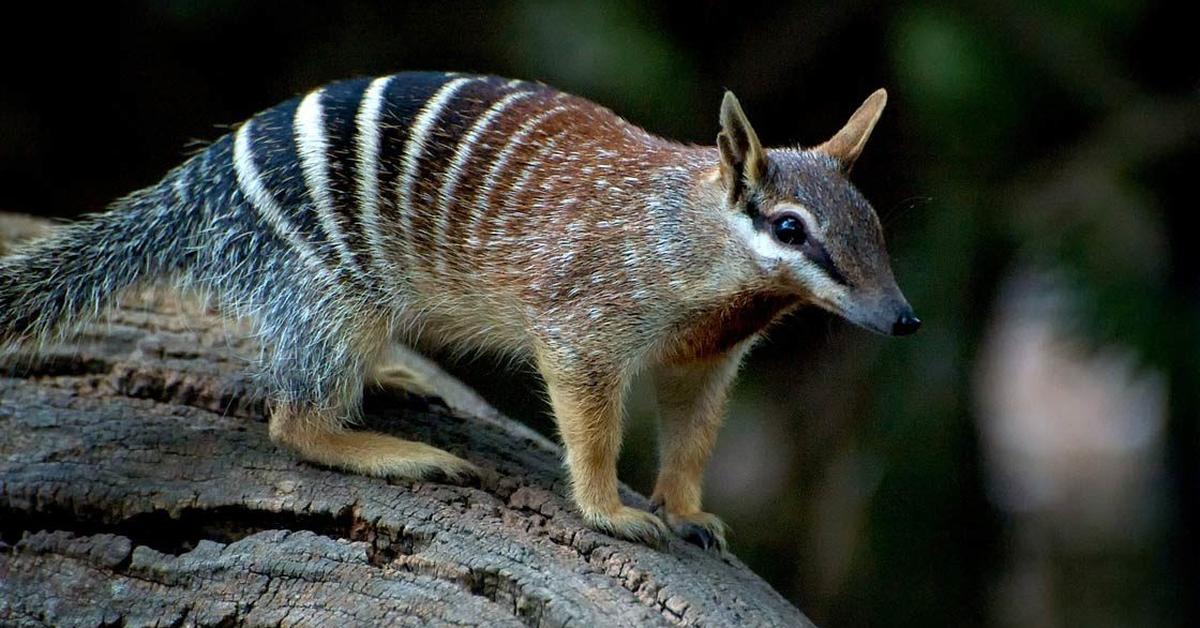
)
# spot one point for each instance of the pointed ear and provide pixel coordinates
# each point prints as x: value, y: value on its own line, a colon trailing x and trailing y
x: 847, y: 145
x: 743, y: 160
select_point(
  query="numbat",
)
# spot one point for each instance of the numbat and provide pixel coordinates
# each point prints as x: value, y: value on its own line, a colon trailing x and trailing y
x: 474, y: 212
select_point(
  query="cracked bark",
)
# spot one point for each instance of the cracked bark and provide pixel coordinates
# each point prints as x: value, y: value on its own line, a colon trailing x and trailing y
x: 137, y: 486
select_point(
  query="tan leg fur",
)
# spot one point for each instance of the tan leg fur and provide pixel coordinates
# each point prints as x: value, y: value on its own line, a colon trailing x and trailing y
x: 588, y: 411
x: 324, y: 441
x: 691, y: 400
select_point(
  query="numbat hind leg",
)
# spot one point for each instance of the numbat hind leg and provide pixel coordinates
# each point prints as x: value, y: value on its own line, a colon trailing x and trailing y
x: 399, y: 378
x: 323, y: 374
x: 317, y: 439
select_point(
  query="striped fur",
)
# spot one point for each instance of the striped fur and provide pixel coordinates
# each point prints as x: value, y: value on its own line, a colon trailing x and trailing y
x: 367, y: 147
x: 479, y: 213
x: 314, y: 157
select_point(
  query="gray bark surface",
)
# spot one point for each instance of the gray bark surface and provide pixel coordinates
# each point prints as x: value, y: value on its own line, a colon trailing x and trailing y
x: 138, y: 487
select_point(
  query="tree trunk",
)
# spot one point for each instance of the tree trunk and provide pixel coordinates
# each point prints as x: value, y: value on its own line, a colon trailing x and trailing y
x: 138, y: 486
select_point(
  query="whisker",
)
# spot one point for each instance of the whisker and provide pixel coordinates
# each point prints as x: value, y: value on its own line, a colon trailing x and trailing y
x: 903, y: 207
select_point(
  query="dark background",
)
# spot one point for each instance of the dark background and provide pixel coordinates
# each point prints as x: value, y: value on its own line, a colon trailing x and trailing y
x: 1029, y: 458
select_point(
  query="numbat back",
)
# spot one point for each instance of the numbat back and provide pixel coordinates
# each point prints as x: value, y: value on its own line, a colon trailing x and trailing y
x: 480, y: 213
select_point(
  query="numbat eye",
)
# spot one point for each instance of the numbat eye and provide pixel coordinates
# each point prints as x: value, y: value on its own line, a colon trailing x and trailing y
x: 789, y: 230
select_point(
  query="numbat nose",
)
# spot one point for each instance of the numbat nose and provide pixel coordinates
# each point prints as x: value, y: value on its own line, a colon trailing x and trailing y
x: 906, y: 324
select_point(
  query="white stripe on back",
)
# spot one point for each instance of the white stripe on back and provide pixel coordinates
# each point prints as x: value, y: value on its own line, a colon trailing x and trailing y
x: 415, y: 147
x: 368, y: 142
x: 314, y: 161
x: 454, y: 171
x: 484, y: 195
x: 530, y: 167
x: 250, y: 183
x: 509, y: 205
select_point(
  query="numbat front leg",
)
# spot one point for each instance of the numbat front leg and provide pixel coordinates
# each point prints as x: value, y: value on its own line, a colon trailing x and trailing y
x: 587, y: 408
x: 691, y: 400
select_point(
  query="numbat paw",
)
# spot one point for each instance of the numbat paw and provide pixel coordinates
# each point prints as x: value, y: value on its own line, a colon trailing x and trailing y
x: 445, y: 468
x: 632, y: 524
x: 701, y: 528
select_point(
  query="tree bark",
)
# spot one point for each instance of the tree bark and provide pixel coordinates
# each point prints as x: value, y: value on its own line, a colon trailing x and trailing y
x: 138, y: 487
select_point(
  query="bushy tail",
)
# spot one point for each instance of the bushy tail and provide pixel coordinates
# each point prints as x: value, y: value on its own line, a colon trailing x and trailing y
x: 49, y: 286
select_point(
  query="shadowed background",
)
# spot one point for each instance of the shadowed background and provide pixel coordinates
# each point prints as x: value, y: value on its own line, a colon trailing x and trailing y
x: 1029, y: 458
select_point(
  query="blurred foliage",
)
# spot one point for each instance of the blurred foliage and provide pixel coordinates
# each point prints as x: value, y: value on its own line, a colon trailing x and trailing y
x: 1056, y: 135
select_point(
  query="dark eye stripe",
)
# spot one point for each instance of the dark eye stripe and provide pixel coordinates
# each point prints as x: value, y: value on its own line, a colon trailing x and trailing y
x: 816, y: 253
x: 813, y: 250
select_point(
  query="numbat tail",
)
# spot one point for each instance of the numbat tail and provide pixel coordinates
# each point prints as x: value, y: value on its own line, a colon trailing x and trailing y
x: 476, y: 212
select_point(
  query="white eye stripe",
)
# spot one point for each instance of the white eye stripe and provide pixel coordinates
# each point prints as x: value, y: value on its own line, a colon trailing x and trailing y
x: 769, y: 254
x: 760, y: 242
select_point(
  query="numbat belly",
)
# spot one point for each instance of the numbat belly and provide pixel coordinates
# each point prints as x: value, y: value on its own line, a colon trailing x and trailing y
x: 477, y: 212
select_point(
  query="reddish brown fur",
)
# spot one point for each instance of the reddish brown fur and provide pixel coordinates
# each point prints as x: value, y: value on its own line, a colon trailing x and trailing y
x: 716, y: 330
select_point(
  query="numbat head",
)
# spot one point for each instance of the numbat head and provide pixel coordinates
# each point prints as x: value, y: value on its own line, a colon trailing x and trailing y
x: 807, y: 225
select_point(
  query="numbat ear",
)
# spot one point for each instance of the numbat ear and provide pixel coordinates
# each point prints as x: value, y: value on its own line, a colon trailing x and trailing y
x: 743, y: 160
x: 847, y: 145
